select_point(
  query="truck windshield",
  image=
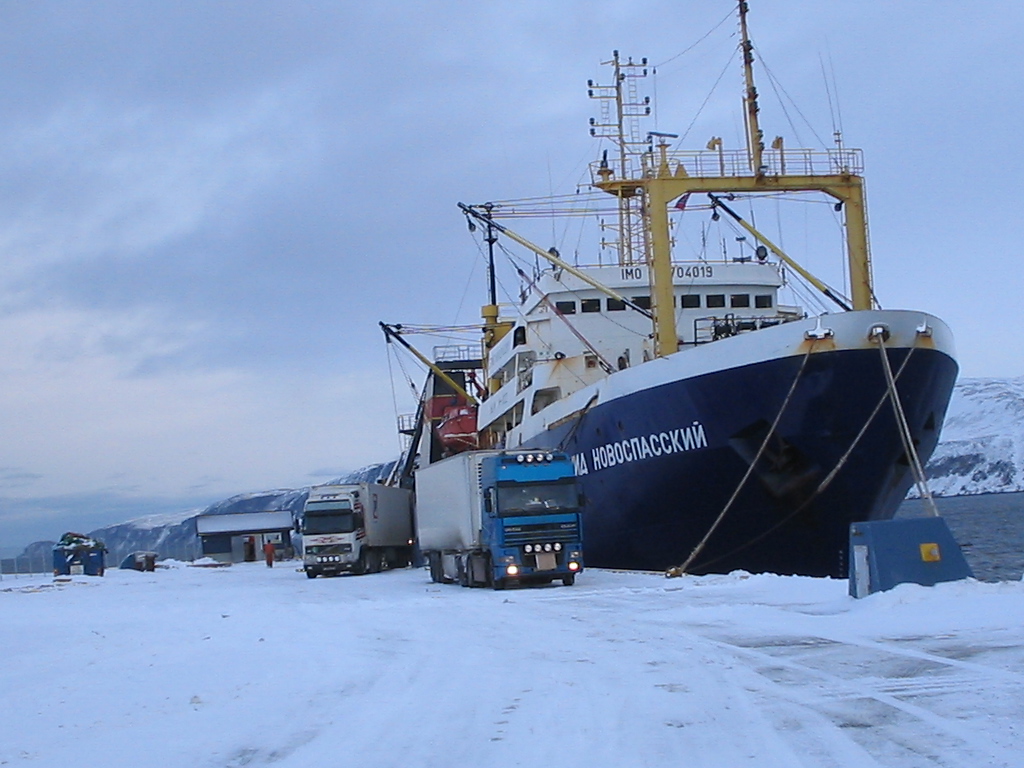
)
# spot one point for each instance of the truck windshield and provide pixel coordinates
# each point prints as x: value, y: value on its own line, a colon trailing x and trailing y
x: 334, y: 521
x: 536, y: 498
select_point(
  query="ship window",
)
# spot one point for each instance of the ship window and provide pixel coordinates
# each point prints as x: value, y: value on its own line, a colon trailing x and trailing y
x: 716, y: 300
x: 545, y: 397
x: 644, y: 302
x: 616, y: 305
x: 519, y: 336
x: 739, y: 300
x: 590, y: 305
x: 763, y: 301
x: 690, y: 300
x: 566, y: 307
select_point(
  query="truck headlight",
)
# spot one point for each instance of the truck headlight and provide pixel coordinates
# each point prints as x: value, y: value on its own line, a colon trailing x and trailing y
x: 512, y: 570
x: 574, y: 566
x: 558, y: 546
x: 547, y: 547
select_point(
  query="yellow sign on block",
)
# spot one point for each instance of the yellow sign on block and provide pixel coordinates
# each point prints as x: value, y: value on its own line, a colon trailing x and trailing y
x: 930, y: 553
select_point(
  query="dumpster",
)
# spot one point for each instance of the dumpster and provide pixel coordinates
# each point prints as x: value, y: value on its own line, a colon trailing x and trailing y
x: 78, y: 555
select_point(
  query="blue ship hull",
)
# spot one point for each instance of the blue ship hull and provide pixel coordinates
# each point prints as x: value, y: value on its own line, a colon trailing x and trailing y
x: 659, y: 465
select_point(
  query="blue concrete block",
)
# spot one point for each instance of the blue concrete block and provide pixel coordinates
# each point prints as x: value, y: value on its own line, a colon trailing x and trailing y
x: 917, y: 550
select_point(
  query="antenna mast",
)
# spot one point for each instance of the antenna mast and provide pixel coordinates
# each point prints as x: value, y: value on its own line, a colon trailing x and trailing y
x: 755, y: 137
x: 621, y: 112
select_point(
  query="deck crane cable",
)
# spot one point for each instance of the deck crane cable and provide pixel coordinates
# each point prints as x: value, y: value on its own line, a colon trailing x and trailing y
x: 512, y: 261
x: 465, y: 290
x: 704, y: 103
x: 582, y: 414
x: 774, y: 83
x: 601, y: 360
x: 772, y: 79
x: 553, y: 256
x: 605, y: 365
x: 512, y: 258
x: 827, y: 481
x: 681, y: 569
x: 830, y: 292
x: 394, y: 397
x: 700, y: 40
x: 408, y: 378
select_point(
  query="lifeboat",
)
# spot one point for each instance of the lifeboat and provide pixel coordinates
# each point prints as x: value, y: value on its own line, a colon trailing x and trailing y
x: 457, y: 429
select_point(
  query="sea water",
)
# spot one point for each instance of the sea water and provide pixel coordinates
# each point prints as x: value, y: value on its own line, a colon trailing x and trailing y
x: 989, y: 529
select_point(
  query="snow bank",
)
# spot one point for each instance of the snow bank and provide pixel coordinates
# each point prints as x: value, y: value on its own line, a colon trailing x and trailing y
x: 250, y: 665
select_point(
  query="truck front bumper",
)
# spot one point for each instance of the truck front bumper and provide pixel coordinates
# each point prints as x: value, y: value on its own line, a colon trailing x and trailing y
x: 328, y: 563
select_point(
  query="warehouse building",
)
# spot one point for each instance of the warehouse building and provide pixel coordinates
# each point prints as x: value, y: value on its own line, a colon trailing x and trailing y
x: 239, y: 537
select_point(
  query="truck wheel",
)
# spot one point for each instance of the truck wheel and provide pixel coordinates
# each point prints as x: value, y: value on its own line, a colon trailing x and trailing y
x: 569, y: 580
x: 310, y: 574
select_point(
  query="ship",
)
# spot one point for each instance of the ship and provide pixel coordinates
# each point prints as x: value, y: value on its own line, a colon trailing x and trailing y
x: 712, y: 427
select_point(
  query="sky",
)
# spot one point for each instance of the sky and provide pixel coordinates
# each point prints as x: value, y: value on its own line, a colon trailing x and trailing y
x: 206, y: 208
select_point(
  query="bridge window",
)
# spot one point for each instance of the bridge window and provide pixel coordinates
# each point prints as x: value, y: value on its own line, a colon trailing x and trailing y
x: 763, y: 301
x: 519, y: 336
x: 690, y: 301
x: 644, y: 302
x: 616, y: 305
x: 739, y: 300
x: 590, y: 305
x: 716, y: 300
x: 566, y: 307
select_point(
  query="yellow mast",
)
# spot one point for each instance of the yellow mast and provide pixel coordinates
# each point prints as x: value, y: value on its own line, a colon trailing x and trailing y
x: 834, y: 172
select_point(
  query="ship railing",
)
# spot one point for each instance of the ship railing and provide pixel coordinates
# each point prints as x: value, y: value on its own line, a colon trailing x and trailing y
x: 455, y: 352
x: 406, y: 423
x: 736, y: 162
x: 713, y: 328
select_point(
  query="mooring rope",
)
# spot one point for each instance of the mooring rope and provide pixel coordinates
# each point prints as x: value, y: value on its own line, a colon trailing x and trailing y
x: 904, y: 428
x: 827, y: 481
x: 681, y: 569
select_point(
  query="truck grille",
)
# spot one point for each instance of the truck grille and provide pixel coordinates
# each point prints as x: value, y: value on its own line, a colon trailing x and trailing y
x: 329, y: 549
x: 516, y: 535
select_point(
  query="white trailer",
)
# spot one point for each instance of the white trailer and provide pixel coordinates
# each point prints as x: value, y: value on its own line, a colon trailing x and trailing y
x: 449, y: 500
x: 357, y: 528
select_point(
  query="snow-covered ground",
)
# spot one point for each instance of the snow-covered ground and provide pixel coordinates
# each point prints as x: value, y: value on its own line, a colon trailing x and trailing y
x: 254, y: 666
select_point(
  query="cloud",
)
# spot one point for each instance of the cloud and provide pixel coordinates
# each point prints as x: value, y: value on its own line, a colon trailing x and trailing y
x: 206, y: 208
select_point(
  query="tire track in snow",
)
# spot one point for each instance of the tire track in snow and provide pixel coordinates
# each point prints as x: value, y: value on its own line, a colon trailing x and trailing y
x: 848, y: 701
x: 712, y: 706
x: 878, y: 688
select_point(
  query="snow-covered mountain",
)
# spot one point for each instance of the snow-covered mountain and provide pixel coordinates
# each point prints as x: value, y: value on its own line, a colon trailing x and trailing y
x: 174, y: 535
x: 982, y: 445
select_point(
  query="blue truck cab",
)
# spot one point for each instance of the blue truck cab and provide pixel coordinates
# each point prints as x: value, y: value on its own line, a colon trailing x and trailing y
x: 531, y: 521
